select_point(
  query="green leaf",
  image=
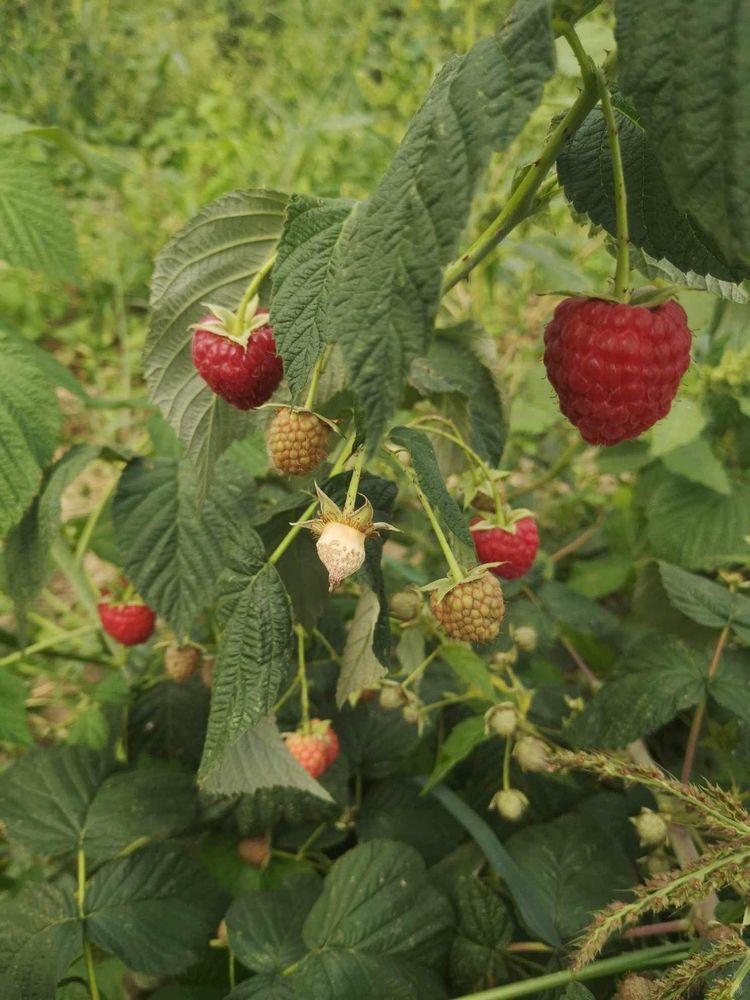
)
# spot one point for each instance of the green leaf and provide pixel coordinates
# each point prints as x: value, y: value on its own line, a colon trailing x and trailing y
x: 461, y: 740
x: 576, y: 991
x: 35, y: 227
x: 29, y: 428
x: 14, y: 727
x: 331, y: 974
x: 683, y: 424
x: 314, y: 232
x: 156, y: 910
x: 431, y: 480
x: 57, y: 799
x: 598, y: 577
x: 577, y: 611
x: 40, y: 935
x: 256, y: 647
x: 703, y: 154
x: 257, y: 760
x: 704, y: 601
x: 377, y: 903
x: 697, y: 528
x: 173, y: 551
x: 530, y: 903
x: 664, y: 270
x: 729, y: 686
x: 697, y: 462
x: 574, y: 866
x: 360, y: 667
x: 266, y: 986
x: 169, y: 720
x: 485, y: 928
x: 468, y: 667
x: 654, y: 681
x: 107, y: 168
x: 375, y: 742
x: 657, y: 223
x: 460, y: 367
x: 212, y: 260
x: 89, y: 729
x: 388, y: 277
x: 265, y: 928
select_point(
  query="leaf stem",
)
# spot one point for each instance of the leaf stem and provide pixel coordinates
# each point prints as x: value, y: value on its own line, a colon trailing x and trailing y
x: 80, y: 904
x: 506, y: 763
x: 521, y: 200
x: 351, y: 494
x: 622, y: 268
x: 700, y: 710
x: 421, y: 668
x: 302, y: 675
x: 286, y: 541
x: 252, y: 288
x: 455, y: 570
x: 320, y: 367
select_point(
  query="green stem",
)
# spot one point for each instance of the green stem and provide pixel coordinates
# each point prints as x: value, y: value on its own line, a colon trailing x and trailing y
x: 351, y: 494
x: 43, y: 644
x: 420, y: 669
x: 317, y: 634
x: 302, y: 674
x: 622, y: 269
x: 506, y: 763
x: 286, y: 695
x: 648, y: 958
x: 455, y: 570
x: 521, y: 200
x: 88, y: 956
x: 320, y: 367
x: 700, y: 711
x: 286, y: 541
x: 232, y: 971
x: 252, y: 288
x: 92, y: 521
x: 310, y: 841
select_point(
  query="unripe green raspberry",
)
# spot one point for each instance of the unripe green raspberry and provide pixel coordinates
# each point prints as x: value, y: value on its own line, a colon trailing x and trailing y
x: 651, y: 828
x: 411, y: 714
x: 501, y: 719
x: 635, y: 988
x: 525, y: 637
x: 405, y: 605
x: 510, y: 803
x: 531, y: 754
x: 392, y: 695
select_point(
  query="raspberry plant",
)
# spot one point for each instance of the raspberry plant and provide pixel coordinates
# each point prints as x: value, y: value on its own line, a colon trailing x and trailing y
x: 373, y: 679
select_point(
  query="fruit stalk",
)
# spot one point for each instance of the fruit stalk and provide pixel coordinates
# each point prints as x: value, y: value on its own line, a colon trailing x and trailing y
x: 252, y: 288
x: 455, y: 570
x: 80, y: 904
x: 622, y: 269
x: 302, y: 675
x: 320, y: 367
x: 351, y: 494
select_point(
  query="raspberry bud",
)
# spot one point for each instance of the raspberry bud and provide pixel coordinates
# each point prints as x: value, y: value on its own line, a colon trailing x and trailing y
x: 510, y: 803
x: 255, y: 851
x: 635, y: 988
x: 505, y: 658
x: 406, y: 605
x: 221, y: 932
x: 501, y: 719
x: 181, y: 662
x: 392, y: 695
x: 651, y: 828
x: 525, y: 637
x: 297, y: 441
x: 531, y: 754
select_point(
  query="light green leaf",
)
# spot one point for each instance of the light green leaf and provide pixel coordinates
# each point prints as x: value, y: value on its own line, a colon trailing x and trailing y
x: 683, y: 423
x: 459, y: 743
x: 704, y: 601
x: 89, y: 729
x: 697, y: 462
x: 653, y: 683
x: 598, y: 577
x: 314, y: 232
x: 696, y: 527
x: 388, y: 277
x: 574, y: 866
x: 40, y: 935
x: 360, y: 667
x: 469, y: 667
x: 35, y: 227
x: 156, y: 910
x: 211, y: 260
x: 657, y: 224
x: 477, y: 960
x: 730, y: 685
x: 703, y: 155
x: 29, y: 428
x: 664, y: 270
x: 260, y: 760
x: 173, y: 551
x: 14, y: 728
x: 255, y: 651
x: 107, y: 168
x: 265, y: 928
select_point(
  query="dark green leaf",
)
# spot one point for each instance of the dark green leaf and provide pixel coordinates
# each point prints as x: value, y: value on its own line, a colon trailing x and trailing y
x: 374, y: 741
x: 255, y: 651
x: 314, y: 231
x: 698, y: 123
x: 171, y: 550
x: 656, y: 223
x: 265, y: 928
x: 576, y: 991
x: 388, y: 278
x: 266, y: 986
x: 704, y: 601
x: 335, y: 973
x: 485, y: 928
x: 461, y: 740
x: 169, y: 720
x: 577, y: 611
x: 469, y: 667
x: 431, y: 481
x: 40, y: 935
x: 654, y: 682
x: 155, y: 909
x: 575, y: 868
x: 14, y: 727
x: 212, y: 260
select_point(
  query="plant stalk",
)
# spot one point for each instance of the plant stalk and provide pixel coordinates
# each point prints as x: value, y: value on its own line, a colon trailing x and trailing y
x: 252, y: 288
x: 622, y: 268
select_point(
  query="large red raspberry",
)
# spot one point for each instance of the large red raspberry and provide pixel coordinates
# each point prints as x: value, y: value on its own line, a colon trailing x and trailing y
x: 315, y: 748
x: 246, y: 377
x: 128, y: 623
x: 615, y: 367
x: 515, y: 549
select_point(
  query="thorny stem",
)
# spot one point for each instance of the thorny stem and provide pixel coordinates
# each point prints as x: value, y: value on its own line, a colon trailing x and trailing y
x: 519, y: 203
x: 622, y: 269
x: 302, y: 675
x: 252, y: 288
x: 320, y: 367
x: 286, y: 541
x: 351, y: 494
x: 700, y: 711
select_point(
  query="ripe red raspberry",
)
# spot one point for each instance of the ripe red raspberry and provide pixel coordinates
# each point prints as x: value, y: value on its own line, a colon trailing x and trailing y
x: 514, y: 548
x: 246, y: 377
x: 616, y: 368
x: 181, y: 662
x: 297, y: 441
x: 472, y: 610
x: 128, y: 623
x: 315, y: 749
